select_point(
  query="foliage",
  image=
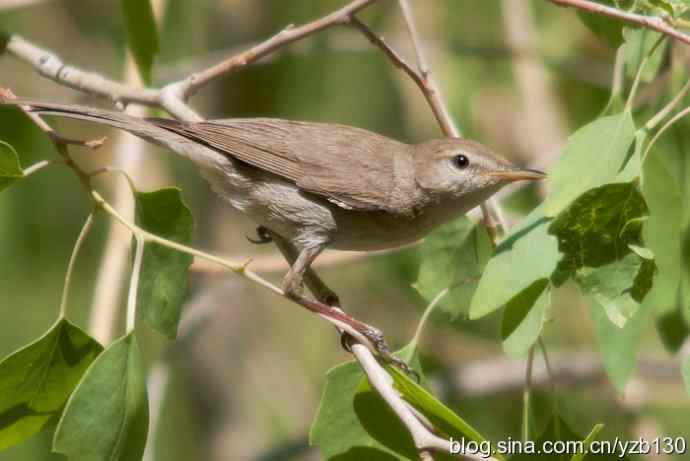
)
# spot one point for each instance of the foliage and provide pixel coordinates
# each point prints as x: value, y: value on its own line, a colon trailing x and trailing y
x: 614, y: 225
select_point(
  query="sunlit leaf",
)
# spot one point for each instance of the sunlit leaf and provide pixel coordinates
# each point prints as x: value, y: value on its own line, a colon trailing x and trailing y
x: 142, y: 34
x: 524, y: 317
x: 107, y: 416
x: 453, y: 257
x: 638, y: 44
x: 163, y: 280
x: 10, y: 170
x: 527, y: 255
x: 619, y: 346
x: 593, y: 157
x: 37, y: 380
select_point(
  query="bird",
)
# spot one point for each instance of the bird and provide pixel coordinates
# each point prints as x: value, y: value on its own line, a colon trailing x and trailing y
x: 311, y: 186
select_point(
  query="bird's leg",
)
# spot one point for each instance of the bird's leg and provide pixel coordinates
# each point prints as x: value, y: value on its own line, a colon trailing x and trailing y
x: 300, y: 272
x: 317, y: 286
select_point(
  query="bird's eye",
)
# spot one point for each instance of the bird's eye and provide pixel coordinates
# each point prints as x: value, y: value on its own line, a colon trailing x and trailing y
x: 461, y: 161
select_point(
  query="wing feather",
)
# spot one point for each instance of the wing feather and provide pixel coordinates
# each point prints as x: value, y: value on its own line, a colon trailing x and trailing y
x: 351, y: 167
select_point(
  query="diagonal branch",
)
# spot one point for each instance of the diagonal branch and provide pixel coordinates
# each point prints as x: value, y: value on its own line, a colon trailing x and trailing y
x: 656, y: 23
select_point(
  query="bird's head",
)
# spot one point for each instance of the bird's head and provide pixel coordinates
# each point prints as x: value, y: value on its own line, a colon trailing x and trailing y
x: 465, y: 168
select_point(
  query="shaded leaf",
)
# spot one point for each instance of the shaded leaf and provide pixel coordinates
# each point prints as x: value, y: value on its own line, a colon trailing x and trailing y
x: 37, y: 380
x: 142, y: 34
x: 10, y: 170
x: 524, y: 317
x: 619, y: 287
x: 107, y: 416
x: 609, y: 30
x: 619, y: 346
x: 348, y: 428
x: 163, y: 280
x: 599, y: 226
x: 4, y: 40
x: 528, y: 254
x: 453, y: 257
x: 673, y: 329
x: 594, y: 155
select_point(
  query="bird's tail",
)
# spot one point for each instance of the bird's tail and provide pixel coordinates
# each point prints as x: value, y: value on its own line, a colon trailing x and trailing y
x: 140, y: 127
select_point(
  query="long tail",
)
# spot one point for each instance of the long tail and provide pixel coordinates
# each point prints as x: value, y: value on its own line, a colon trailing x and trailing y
x: 135, y: 125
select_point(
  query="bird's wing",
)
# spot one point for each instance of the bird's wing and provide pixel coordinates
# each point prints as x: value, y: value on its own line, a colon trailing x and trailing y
x: 351, y: 167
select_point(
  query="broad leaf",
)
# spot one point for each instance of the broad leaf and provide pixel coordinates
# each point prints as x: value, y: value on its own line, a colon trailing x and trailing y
x: 37, y: 380
x: 599, y: 226
x: 142, y: 34
x: 164, y: 271
x: 348, y: 428
x: 107, y: 416
x: 638, y: 44
x: 619, y: 346
x: 607, y: 29
x: 673, y: 329
x: 453, y: 257
x: 10, y: 170
x: 443, y: 418
x: 619, y: 287
x: 527, y: 255
x: 594, y: 155
x: 524, y: 317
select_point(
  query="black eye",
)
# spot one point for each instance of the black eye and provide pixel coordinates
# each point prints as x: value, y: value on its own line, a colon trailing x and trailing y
x: 461, y: 161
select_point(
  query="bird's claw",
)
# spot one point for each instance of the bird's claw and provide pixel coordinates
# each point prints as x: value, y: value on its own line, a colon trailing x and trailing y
x: 263, y: 236
x: 375, y: 336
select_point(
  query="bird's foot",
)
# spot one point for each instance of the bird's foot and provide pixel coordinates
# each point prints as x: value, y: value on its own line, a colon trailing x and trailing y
x: 375, y: 337
x: 263, y: 236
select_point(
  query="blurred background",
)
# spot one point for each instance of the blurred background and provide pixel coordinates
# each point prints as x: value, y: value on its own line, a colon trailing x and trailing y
x: 246, y: 380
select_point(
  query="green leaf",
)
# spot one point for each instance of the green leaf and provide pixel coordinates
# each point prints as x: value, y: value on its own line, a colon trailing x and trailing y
x: 619, y: 287
x: 594, y: 155
x: 673, y: 329
x: 524, y: 317
x: 442, y: 417
x: 663, y: 229
x: 638, y: 44
x: 107, y: 416
x: 599, y: 226
x: 10, y: 170
x: 609, y: 30
x: 527, y: 255
x: 619, y: 346
x: 142, y: 34
x: 37, y: 380
x: 352, y: 426
x: 453, y: 257
x: 164, y: 271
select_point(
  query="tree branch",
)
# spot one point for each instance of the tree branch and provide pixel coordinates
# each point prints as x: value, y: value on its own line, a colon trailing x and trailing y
x: 656, y: 23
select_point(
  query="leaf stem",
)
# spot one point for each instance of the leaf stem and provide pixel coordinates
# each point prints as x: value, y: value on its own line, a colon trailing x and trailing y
x: 665, y: 127
x: 526, y: 394
x: 39, y: 166
x: 638, y: 74
x: 70, y: 266
x: 427, y: 313
x: 663, y: 113
x: 134, y: 282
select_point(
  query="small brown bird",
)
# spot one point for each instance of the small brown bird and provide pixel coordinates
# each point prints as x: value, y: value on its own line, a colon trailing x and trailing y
x: 319, y: 185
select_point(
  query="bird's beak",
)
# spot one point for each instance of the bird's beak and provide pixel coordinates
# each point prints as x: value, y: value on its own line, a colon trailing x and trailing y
x: 518, y: 174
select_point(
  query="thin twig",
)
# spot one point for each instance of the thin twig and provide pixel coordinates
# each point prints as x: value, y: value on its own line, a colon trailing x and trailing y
x: 288, y: 35
x: 70, y: 266
x: 526, y: 395
x: 663, y: 113
x: 656, y: 23
x: 38, y: 166
x: 134, y: 283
